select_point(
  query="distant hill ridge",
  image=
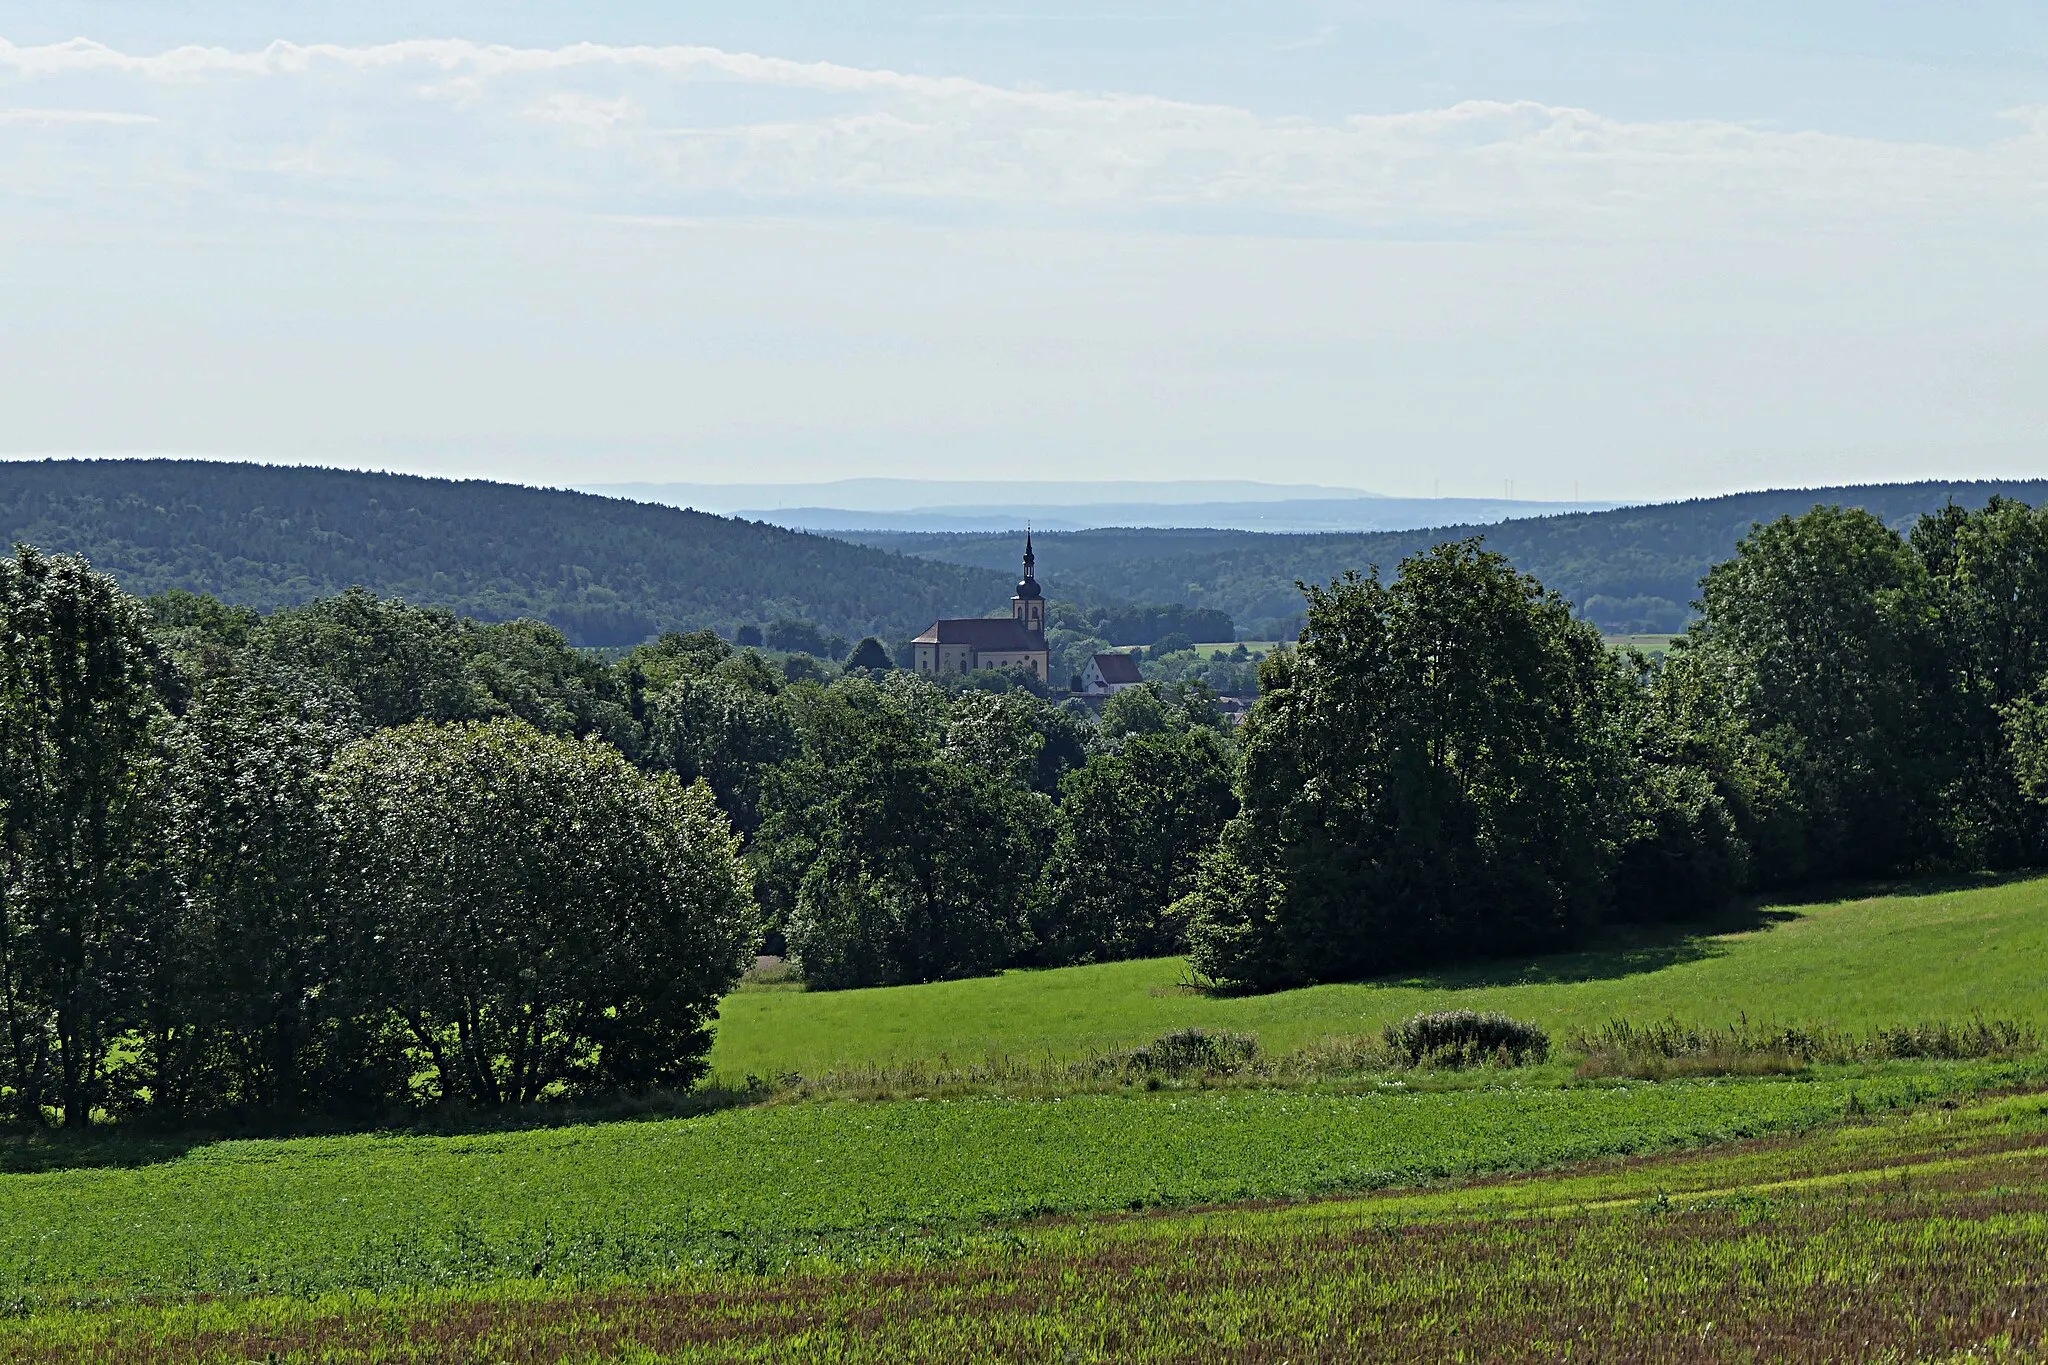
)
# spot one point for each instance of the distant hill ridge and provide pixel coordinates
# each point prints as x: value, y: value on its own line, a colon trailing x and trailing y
x: 1632, y: 569
x: 608, y: 571
x: 605, y: 571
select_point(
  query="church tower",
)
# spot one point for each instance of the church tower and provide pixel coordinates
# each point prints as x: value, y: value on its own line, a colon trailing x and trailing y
x: 1027, y: 608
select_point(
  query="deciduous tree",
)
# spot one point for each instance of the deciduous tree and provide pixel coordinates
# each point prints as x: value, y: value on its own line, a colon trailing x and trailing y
x: 81, y: 804
x: 539, y: 912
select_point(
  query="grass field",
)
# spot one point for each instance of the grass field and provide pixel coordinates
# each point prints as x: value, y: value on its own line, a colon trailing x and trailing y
x: 1050, y: 1225
x: 761, y: 1185
x: 1851, y: 964
x: 1912, y: 1237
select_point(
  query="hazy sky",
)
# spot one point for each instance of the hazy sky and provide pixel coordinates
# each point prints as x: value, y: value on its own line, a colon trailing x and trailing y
x: 1634, y: 249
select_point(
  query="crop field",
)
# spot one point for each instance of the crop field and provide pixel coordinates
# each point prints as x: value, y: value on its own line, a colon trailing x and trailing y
x: 1920, y: 1236
x: 1848, y: 964
x: 1870, y: 1206
x: 765, y: 1185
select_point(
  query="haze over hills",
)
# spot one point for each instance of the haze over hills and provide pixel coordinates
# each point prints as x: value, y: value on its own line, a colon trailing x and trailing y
x: 896, y: 495
x: 1632, y: 569
x: 605, y: 571
x: 997, y: 505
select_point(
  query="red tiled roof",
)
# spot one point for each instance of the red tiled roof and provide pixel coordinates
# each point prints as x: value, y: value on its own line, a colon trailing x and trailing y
x: 1118, y: 668
x: 993, y: 632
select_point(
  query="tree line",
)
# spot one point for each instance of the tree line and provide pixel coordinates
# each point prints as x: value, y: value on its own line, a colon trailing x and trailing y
x: 1451, y: 765
x: 360, y: 855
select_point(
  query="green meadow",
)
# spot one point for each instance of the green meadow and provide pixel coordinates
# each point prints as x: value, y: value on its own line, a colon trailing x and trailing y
x: 1849, y: 964
x: 770, y: 1184
x: 717, y: 1236
x: 1916, y: 1235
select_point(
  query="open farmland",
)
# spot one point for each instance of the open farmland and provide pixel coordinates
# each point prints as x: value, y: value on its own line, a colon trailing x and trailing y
x: 763, y: 1185
x: 1919, y: 1236
x: 1000, y: 1225
x: 1849, y: 964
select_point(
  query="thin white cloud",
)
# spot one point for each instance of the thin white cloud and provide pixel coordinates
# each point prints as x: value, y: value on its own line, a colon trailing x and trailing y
x: 633, y: 130
x: 48, y: 118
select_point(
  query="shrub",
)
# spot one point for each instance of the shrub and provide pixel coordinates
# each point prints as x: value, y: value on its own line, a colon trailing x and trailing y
x: 1467, y: 1038
x: 1194, y: 1049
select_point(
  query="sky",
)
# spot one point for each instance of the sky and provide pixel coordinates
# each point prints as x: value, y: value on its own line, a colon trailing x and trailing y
x: 1457, y: 247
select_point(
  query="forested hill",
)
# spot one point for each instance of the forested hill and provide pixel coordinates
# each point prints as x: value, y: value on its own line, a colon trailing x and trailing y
x: 604, y: 570
x: 1632, y: 569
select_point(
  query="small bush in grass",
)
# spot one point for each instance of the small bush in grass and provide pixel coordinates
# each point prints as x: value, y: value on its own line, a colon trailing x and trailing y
x: 1213, y: 1052
x: 1454, y: 1038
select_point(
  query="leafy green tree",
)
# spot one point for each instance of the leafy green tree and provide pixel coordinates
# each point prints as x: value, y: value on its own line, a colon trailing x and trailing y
x: 1136, y: 710
x: 803, y: 668
x: 870, y: 653
x: 1429, y: 776
x: 538, y: 912
x: 1821, y: 633
x: 198, y: 633
x: 1685, y: 719
x: 725, y: 731
x: 1133, y: 825
x: 1016, y: 737
x: 400, y: 662
x: 529, y: 670
x: 1682, y: 857
x: 679, y: 654
x: 918, y: 862
x: 802, y: 637
x: 1175, y: 642
x: 403, y: 663
x: 1989, y: 570
x: 1154, y: 707
x: 250, y: 1010
x: 81, y: 805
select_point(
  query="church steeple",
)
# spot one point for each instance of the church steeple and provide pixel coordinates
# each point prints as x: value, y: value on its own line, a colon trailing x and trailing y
x: 1027, y: 608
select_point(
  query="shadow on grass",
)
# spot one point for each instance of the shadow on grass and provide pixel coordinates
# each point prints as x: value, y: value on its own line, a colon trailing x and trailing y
x: 28, y: 1150
x: 1625, y: 949
x: 1932, y: 885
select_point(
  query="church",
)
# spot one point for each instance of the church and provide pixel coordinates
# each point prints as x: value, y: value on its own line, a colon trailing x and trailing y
x: 966, y: 646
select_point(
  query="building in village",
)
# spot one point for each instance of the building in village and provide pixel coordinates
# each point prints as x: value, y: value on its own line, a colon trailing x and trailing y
x: 1108, y: 673
x: 966, y: 646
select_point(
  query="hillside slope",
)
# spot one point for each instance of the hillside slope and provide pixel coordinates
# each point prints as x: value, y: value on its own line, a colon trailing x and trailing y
x: 603, y: 570
x: 1853, y: 964
x: 1632, y: 569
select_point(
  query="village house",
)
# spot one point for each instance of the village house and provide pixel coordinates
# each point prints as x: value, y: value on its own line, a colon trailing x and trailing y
x: 1108, y: 673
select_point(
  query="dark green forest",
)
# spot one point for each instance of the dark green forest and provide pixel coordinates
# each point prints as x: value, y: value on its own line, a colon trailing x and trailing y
x: 604, y: 571
x: 1636, y: 569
